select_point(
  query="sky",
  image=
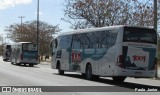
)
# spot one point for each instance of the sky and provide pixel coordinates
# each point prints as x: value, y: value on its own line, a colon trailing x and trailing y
x: 51, y: 11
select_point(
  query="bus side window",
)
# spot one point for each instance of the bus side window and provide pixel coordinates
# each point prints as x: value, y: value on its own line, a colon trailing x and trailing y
x: 54, y: 46
x: 65, y: 42
x: 112, y: 39
x: 55, y: 43
x: 77, y: 44
x: 88, y: 40
x: 108, y: 39
x: 97, y: 39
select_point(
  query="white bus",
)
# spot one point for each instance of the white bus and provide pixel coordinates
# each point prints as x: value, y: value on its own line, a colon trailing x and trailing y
x: 24, y: 53
x: 6, y: 52
x: 114, y: 51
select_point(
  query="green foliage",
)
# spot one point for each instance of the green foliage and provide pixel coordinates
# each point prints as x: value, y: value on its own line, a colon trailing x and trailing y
x: 28, y: 33
x: 99, y: 13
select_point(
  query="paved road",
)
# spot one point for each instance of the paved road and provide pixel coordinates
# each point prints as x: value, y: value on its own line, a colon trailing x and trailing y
x: 43, y: 75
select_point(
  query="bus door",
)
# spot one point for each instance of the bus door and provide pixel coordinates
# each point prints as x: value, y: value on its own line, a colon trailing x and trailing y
x: 64, y: 51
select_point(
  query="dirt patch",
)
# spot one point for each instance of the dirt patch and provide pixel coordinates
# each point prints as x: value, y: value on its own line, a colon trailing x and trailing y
x: 47, y: 60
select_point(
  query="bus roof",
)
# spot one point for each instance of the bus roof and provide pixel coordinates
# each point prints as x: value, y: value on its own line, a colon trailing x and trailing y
x: 24, y: 42
x: 17, y: 43
x: 98, y: 29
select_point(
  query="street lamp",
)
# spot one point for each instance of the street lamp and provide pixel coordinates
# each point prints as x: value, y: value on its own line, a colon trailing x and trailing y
x: 155, y: 27
x: 38, y: 28
x: 155, y: 14
x: 1, y: 38
x: 21, y: 17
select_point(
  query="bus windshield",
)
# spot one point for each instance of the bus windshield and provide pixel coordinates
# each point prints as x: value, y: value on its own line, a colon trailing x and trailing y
x: 29, y: 47
x: 142, y: 35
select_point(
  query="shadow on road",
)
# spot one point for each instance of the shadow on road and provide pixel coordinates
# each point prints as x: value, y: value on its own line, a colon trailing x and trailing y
x: 128, y: 85
x: 35, y: 66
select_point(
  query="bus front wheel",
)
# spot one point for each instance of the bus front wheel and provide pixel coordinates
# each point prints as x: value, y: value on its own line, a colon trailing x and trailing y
x: 60, y: 72
x: 4, y: 59
x: 12, y: 63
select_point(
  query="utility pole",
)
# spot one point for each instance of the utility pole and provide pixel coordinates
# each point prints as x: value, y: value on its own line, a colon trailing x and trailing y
x: 1, y: 37
x: 155, y: 27
x: 155, y: 14
x: 21, y: 17
x: 38, y: 28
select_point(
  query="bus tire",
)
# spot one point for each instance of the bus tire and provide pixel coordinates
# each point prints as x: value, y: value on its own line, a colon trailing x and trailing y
x: 31, y: 65
x: 118, y: 79
x: 4, y: 59
x: 83, y: 75
x: 60, y: 72
x: 19, y: 64
x: 96, y: 77
x: 89, y: 75
x: 12, y: 63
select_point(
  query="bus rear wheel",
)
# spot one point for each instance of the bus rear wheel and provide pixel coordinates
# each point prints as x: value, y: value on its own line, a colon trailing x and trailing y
x: 118, y: 79
x: 83, y: 75
x: 89, y: 75
x: 19, y: 64
x: 31, y: 65
x: 96, y: 77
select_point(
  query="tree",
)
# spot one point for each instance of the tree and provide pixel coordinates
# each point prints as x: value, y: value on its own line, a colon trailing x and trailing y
x: 28, y: 33
x: 99, y: 13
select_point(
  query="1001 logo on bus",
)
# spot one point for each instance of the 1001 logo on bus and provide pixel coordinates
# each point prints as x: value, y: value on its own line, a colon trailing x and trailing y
x: 139, y: 58
x: 76, y: 56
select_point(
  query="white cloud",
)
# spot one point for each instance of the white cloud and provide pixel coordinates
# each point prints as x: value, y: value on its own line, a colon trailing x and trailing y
x: 12, y: 3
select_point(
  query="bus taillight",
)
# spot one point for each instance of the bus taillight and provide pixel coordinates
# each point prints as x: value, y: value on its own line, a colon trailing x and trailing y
x: 120, y: 61
x: 21, y: 56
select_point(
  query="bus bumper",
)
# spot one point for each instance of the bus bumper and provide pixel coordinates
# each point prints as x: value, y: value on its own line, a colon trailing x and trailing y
x: 135, y: 73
